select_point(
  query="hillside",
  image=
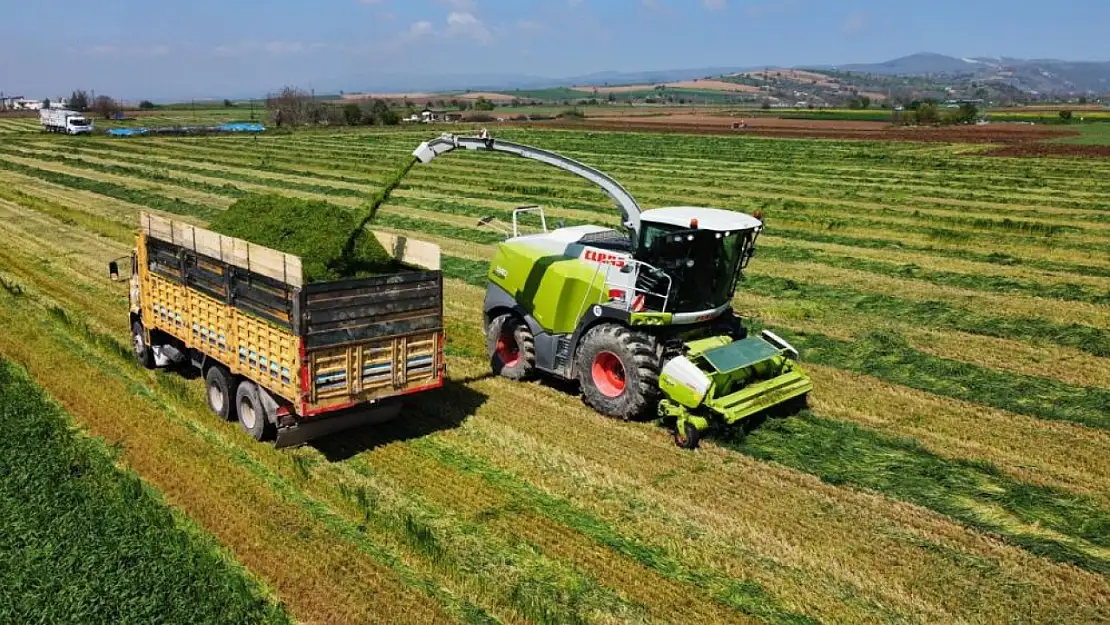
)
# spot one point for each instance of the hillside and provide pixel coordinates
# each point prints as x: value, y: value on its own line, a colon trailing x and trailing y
x: 1029, y: 75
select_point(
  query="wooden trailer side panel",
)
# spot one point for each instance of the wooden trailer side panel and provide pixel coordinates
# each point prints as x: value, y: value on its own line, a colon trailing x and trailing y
x: 248, y: 346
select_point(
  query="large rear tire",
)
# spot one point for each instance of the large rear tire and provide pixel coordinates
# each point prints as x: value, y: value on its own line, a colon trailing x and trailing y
x: 251, y: 413
x: 618, y: 371
x: 511, y: 347
x: 220, y: 387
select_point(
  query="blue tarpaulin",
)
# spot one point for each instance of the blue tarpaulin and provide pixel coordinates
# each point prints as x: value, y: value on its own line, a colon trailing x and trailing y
x: 185, y: 130
x: 127, y: 132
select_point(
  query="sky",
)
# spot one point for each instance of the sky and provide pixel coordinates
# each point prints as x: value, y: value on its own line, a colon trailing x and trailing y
x: 216, y: 48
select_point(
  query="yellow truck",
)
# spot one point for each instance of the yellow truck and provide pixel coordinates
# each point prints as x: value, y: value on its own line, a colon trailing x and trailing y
x: 290, y: 360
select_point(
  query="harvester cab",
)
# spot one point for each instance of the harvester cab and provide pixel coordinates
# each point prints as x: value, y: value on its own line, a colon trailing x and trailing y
x: 641, y: 318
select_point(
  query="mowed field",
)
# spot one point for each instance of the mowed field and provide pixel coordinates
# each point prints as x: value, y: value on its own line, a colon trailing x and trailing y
x: 951, y: 308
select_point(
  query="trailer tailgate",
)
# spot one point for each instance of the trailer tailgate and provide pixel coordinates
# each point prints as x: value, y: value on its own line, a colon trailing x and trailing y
x: 370, y: 338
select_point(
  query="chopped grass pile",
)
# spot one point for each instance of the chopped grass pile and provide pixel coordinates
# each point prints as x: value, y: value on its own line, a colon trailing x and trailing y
x: 318, y: 232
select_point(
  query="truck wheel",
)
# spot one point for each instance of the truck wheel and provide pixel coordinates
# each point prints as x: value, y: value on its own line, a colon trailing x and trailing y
x: 143, y: 353
x: 220, y: 387
x: 511, y: 347
x: 618, y: 371
x: 252, y: 416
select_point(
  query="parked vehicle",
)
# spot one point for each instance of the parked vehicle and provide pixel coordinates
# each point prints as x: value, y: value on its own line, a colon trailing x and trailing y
x: 66, y: 121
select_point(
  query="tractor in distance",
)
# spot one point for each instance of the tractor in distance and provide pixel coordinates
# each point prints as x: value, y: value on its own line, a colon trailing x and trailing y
x: 642, y: 319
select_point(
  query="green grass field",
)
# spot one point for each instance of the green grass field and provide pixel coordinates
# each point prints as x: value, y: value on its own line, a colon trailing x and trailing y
x: 1089, y: 134
x: 950, y: 307
x: 87, y: 542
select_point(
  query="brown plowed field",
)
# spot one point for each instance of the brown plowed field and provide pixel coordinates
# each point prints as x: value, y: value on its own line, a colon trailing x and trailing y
x: 1052, y: 149
x: 822, y: 129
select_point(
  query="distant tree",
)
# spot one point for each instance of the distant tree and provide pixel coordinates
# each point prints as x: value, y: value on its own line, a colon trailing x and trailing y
x: 482, y: 104
x: 926, y: 114
x: 352, y: 114
x: 228, y: 103
x: 146, y: 105
x: 766, y: 105
x: 105, y: 106
x: 290, y: 106
x: 515, y: 102
x: 966, y: 114
x: 379, y: 112
x: 1065, y: 116
x: 46, y: 103
x: 1082, y: 99
x: 440, y: 104
x: 455, y: 103
x: 79, y: 100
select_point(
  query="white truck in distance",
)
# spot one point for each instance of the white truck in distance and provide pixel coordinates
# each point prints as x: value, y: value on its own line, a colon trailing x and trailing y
x: 62, y: 120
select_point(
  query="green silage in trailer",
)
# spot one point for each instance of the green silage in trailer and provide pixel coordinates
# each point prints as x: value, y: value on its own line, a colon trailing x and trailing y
x: 317, y: 232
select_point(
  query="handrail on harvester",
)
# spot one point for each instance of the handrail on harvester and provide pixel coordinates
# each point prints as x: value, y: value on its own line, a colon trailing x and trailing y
x: 447, y: 142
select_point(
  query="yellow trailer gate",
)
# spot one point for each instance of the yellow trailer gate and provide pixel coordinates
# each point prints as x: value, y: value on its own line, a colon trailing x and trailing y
x: 318, y: 347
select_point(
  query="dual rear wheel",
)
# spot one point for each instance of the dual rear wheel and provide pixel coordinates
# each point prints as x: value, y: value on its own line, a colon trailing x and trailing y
x: 232, y: 398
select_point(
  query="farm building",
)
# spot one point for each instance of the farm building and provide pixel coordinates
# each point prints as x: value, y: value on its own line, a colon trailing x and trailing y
x: 429, y: 116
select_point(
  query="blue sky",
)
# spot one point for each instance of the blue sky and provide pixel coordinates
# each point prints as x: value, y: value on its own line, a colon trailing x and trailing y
x: 210, y: 48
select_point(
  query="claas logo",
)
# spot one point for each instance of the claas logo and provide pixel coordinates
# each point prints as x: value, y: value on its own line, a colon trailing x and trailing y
x: 605, y: 258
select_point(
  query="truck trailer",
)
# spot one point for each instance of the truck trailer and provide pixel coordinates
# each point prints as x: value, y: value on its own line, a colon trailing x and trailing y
x: 290, y: 359
x: 65, y: 121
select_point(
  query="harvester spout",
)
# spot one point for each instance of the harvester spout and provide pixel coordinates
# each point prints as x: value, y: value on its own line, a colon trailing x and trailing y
x: 630, y: 209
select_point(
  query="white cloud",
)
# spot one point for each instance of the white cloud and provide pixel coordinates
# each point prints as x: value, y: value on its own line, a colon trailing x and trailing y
x: 854, y: 24
x: 159, y: 50
x: 465, y: 24
x: 273, y: 48
x: 529, y: 25
x: 468, y: 6
x: 713, y: 5
x: 283, y: 47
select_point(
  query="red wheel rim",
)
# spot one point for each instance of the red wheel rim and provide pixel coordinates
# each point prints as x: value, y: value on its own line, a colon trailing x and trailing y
x: 608, y: 374
x: 507, y: 351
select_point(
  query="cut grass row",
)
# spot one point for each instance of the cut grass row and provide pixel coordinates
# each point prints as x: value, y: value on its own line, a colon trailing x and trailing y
x: 1066, y: 291
x: 86, y: 541
x: 1003, y: 224
x: 992, y: 223
x: 1024, y: 330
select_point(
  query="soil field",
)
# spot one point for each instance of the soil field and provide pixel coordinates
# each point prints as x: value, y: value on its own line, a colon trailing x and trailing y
x: 1053, y: 149
x: 821, y: 129
x: 952, y: 309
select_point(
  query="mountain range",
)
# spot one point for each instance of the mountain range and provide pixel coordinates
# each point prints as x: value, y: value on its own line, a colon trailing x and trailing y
x: 1044, y: 76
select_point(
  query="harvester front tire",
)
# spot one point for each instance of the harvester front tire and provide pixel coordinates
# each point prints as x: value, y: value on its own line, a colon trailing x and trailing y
x: 220, y: 387
x: 251, y: 413
x: 511, y: 347
x: 143, y: 352
x: 690, y: 440
x: 618, y: 371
